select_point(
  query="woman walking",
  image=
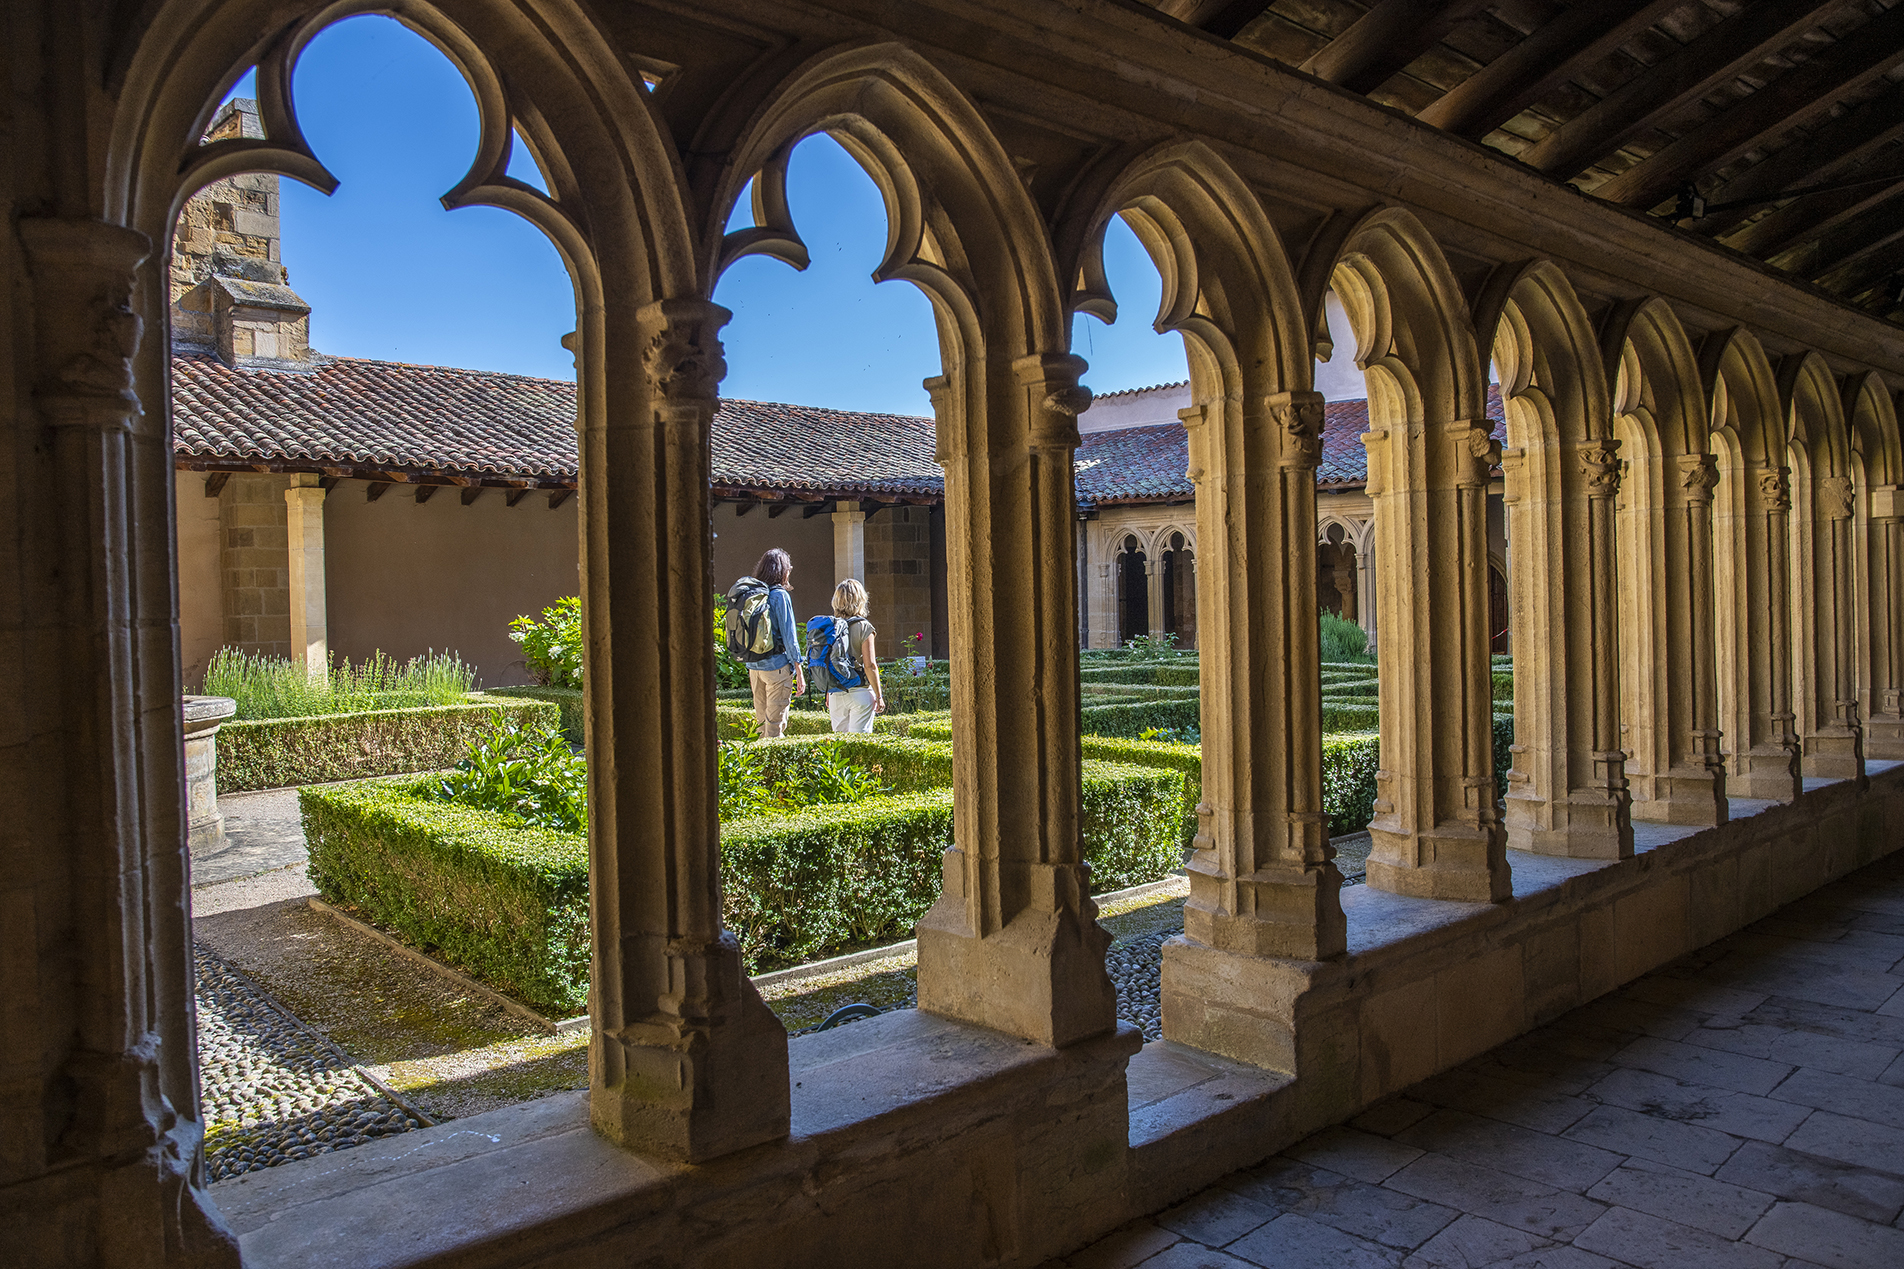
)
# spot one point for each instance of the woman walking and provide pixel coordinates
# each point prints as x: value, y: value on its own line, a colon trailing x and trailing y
x: 852, y: 708
x: 779, y: 676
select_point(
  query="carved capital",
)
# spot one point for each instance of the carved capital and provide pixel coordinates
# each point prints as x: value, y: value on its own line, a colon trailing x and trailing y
x: 1482, y: 449
x: 1835, y: 498
x: 1297, y: 418
x: 1775, y: 488
x: 1698, y: 475
x: 1600, y: 463
x: 683, y: 355
x: 1052, y: 380
x: 83, y: 273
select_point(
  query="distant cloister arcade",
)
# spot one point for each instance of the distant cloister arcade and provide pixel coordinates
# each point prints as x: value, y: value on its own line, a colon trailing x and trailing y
x: 1706, y: 564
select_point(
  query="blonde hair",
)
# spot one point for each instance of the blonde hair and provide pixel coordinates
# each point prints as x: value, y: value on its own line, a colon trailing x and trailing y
x: 849, y: 599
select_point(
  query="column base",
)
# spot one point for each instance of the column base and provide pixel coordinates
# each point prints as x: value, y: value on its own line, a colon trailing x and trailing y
x: 1688, y: 795
x: 1287, y: 910
x: 1042, y: 977
x: 1460, y: 862
x: 696, y: 1089
x: 1833, y: 753
x: 1234, y: 1004
x: 1763, y: 772
x: 1884, y: 736
x: 1583, y: 825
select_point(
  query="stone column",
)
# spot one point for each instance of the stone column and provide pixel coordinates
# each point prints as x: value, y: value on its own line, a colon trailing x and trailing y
x: 685, y: 1058
x: 102, y: 1129
x: 1693, y: 788
x: 1013, y: 941
x: 1365, y: 587
x: 1884, y: 732
x: 1262, y: 883
x: 1766, y: 756
x: 1436, y: 831
x: 1834, y: 743
x: 1154, y: 590
x: 849, y: 542
x: 304, y: 525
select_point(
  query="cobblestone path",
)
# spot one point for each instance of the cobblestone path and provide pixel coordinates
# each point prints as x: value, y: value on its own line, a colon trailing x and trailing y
x: 274, y: 1090
x: 1741, y: 1108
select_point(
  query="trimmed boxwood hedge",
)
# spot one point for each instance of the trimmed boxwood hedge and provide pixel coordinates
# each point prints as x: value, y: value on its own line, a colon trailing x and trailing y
x: 1136, y: 718
x: 566, y: 699
x: 271, y: 753
x: 507, y: 903
x: 1181, y: 673
x: 1185, y: 760
x: 1349, y: 763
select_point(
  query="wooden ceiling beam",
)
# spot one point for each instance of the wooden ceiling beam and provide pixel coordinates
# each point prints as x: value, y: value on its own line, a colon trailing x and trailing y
x: 1552, y: 54
x: 1871, y: 264
x: 1387, y: 38
x: 1829, y: 153
x: 215, y: 483
x: 1825, y: 251
x: 558, y: 496
x: 1228, y: 19
x: 1795, y: 97
x: 471, y: 493
x: 1813, y: 215
x: 375, y: 490
x: 1721, y: 54
x: 425, y: 492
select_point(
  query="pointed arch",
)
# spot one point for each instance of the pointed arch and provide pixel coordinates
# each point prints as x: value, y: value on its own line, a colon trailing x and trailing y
x: 1752, y: 566
x: 1568, y: 791
x: 961, y: 227
x: 1668, y: 671
x: 1431, y: 450
x: 1877, y: 473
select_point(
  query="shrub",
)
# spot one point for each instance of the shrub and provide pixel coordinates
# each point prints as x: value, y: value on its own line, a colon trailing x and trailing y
x: 1503, y: 684
x: 1133, y: 720
x: 529, y: 773
x: 1152, y: 674
x: 567, y: 699
x: 1132, y: 824
x: 915, y: 693
x: 1349, y: 763
x: 552, y: 644
x: 1342, y: 640
x: 1184, y: 759
x: 276, y: 687
x: 506, y: 902
x: 273, y: 753
x: 1348, y: 718
x: 1503, y: 752
x: 729, y: 670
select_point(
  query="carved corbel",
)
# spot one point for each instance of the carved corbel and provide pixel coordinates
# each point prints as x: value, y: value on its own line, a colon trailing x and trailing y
x: 83, y: 273
x: 1600, y: 463
x: 1836, y: 498
x: 1297, y: 418
x: 1482, y: 450
x: 1698, y: 476
x: 1053, y: 380
x: 1775, y: 488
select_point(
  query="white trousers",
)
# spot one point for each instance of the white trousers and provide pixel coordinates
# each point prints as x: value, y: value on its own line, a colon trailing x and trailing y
x: 851, y: 710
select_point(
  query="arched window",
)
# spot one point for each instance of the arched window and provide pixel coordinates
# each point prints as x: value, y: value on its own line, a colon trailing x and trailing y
x: 1180, y: 591
x: 1133, y: 590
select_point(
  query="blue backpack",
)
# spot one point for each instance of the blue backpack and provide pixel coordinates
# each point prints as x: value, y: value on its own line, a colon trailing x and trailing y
x: 830, y: 660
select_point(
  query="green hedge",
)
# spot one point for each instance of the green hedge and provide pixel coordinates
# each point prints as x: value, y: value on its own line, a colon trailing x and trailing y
x: 1185, y: 760
x: 1503, y: 752
x: 1135, y: 719
x: 908, y: 694
x: 507, y: 903
x: 271, y: 753
x: 903, y: 764
x: 1503, y: 684
x: 730, y: 722
x: 567, y: 699
x: 1152, y: 674
x: 1348, y: 718
x: 1348, y: 780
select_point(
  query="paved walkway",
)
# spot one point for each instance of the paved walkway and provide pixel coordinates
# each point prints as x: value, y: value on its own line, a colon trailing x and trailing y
x: 1742, y: 1108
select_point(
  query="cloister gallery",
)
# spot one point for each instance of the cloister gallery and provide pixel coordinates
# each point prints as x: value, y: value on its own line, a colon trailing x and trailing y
x: 1701, y: 462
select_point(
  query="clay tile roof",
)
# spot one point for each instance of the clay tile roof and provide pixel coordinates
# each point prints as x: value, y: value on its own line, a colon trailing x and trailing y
x: 760, y: 445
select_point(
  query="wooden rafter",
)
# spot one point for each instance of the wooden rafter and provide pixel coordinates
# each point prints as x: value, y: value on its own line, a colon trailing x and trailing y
x: 558, y: 496
x: 511, y: 497
x: 1740, y: 42
x: 1387, y: 38
x: 1829, y: 153
x: 1552, y: 54
x: 1792, y: 99
x: 425, y: 492
x: 1819, y: 250
x: 471, y: 494
x: 375, y: 490
x: 1871, y: 264
x: 1231, y: 16
x: 215, y: 483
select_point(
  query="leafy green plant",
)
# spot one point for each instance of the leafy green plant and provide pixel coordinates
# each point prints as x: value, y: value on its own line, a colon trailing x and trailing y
x: 273, y: 753
x: 729, y: 670
x: 1164, y: 644
x: 552, y: 643
x: 277, y: 687
x: 1188, y: 735
x: 1343, y: 640
x: 528, y: 773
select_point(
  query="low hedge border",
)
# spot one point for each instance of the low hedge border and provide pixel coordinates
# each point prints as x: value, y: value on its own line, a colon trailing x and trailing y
x: 731, y: 722
x: 506, y: 903
x: 1151, y: 674
x: 272, y: 753
x: 1134, y: 719
x: 567, y: 699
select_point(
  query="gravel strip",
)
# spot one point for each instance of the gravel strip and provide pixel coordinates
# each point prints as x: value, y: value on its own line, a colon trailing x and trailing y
x: 273, y: 1090
x: 1137, y: 971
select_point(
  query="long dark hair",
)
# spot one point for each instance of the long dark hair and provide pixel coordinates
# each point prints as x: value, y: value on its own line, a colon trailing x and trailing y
x: 775, y: 567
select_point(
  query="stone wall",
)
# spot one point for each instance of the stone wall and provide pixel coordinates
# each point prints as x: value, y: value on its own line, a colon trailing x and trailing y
x: 899, y: 575
x: 254, y: 564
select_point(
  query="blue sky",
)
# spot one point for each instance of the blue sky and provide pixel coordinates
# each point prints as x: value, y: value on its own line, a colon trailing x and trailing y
x: 389, y: 274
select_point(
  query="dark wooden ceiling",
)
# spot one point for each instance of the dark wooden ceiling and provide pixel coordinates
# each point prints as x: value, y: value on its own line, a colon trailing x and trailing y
x: 1780, y: 121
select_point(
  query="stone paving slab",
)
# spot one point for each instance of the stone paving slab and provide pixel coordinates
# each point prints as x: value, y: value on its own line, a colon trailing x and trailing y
x: 1741, y: 1108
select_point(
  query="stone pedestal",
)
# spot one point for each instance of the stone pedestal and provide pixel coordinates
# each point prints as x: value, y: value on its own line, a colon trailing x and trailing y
x: 203, y: 717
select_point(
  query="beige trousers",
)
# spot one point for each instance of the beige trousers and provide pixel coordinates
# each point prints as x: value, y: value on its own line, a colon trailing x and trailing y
x: 773, y: 697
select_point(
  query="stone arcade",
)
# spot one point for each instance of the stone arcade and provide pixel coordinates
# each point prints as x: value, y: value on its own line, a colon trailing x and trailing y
x: 1701, y: 461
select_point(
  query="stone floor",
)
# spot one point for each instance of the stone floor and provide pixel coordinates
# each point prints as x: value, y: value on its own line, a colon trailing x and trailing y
x: 1742, y: 1108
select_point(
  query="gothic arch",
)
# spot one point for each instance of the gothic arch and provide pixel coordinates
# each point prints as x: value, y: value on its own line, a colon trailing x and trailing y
x: 1261, y: 878
x: 1431, y: 449
x: 1824, y: 689
x: 1668, y: 674
x: 1877, y: 467
x: 961, y: 227
x: 1567, y: 793
x: 1751, y: 566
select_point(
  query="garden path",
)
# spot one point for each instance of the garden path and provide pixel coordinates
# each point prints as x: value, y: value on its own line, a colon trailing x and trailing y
x: 1741, y: 1108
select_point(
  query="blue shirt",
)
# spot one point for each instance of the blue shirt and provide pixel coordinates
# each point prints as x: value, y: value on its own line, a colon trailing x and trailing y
x: 786, y: 631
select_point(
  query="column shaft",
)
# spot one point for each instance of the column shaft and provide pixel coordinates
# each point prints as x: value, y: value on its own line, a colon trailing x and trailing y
x: 686, y: 1059
x: 1013, y: 941
x: 1833, y: 733
x: 304, y: 524
x: 1884, y: 736
x: 849, y: 542
x: 1436, y: 831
